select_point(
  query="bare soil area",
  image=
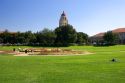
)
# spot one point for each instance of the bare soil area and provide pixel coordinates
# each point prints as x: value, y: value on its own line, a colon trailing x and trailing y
x: 45, y: 52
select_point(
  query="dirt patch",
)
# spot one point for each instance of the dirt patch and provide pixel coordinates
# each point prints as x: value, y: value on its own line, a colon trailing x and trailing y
x: 6, y: 52
x: 51, y: 52
x: 45, y: 52
x: 1, y: 51
x: 21, y: 55
x: 53, y: 55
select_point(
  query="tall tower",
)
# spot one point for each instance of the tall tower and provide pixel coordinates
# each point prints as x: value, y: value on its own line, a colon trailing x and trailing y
x: 63, y: 20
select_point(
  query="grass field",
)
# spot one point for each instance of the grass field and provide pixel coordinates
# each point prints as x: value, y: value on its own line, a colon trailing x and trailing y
x: 94, y: 68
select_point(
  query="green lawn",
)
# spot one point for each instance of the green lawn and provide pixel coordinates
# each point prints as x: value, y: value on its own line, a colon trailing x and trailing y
x: 94, y: 68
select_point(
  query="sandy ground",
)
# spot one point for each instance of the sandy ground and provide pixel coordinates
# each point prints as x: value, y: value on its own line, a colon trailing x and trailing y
x: 1, y: 51
x: 21, y: 55
x: 16, y: 53
x: 87, y: 53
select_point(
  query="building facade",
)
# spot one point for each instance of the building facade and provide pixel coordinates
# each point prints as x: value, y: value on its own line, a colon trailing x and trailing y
x: 120, y: 33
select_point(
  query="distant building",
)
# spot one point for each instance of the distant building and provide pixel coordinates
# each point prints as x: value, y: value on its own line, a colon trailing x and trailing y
x: 121, y: 35
x: 63, y: 20
x: 120, y: 32
x: 97, y: 38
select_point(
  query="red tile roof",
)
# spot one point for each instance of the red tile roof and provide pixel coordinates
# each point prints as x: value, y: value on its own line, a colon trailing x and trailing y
x: 119, y: 30
x: 99, y: 34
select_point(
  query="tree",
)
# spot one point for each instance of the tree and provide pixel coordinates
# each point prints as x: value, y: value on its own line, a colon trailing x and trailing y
x: 46, y: 37
x: 82, y: 38
x: 29, y: 37
x: 6, y: 36
x: 65, y: 35
x: 20, y: 39
x: 109, y: 38
x: 1, y: 40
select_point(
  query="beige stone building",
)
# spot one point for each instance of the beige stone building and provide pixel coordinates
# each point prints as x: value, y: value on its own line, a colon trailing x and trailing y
x: 120, y: 32
x: 121, y: 35
x: 63, y: 20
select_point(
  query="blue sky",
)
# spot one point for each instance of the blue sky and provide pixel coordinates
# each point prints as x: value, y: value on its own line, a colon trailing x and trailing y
x: 88, y: 16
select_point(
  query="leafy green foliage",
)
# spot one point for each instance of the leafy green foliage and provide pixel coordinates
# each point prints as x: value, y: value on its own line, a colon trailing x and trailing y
x: 82, y: 38
x: 65, y: 35
x: 46, y: 37
x: 109, y: 38
x: 61, y: 36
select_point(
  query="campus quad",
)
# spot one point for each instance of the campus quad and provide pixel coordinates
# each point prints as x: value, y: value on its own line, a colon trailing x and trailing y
x: 97, y: 67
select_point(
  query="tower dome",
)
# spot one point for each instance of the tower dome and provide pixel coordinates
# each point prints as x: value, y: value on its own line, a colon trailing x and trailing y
x: 63, y: 20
